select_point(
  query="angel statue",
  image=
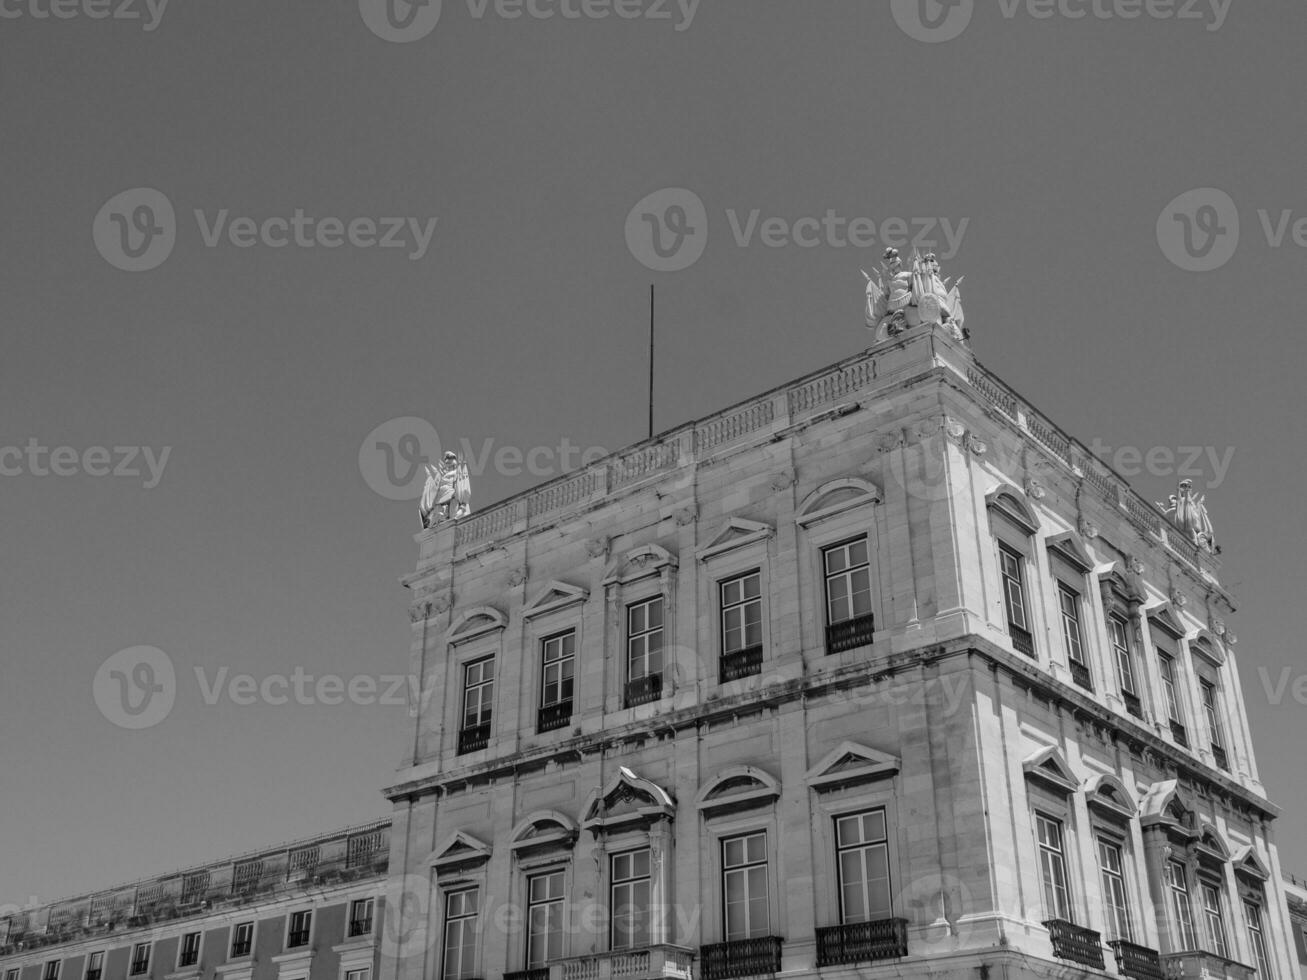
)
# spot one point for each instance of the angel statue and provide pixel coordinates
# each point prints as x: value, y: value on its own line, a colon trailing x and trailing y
x: 447, y: 487
x: 898, y: 300
x: 1189, y: 513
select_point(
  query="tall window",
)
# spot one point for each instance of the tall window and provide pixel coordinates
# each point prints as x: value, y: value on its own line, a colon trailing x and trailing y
x: 1212, y: 713
x: 1177, y: 881
x: 360, y: 917
x: 460, y: 935
x: 848, y: 581
x: 862, y: 854
x: 544, y: 919
x: 744, y: 887
x: 557, y: 679
x: 1010, y: 565
x: 242, y: 939
x: 1125, y: 663
x: 1166, y: 664
x: 95, y: 966
x: 51, y: 971
x: 300, y: 924
x: 140, y: 960
x: 1052, y: 867
x: 478, y: 702
x: 1214, y: 918
x: 1068, y: 600
x: 631, y: 894
x: 189, y: 953
x: 644, y: 638
x: 741, y: 600
x: 1257, y: 938
x: 1117, y: 905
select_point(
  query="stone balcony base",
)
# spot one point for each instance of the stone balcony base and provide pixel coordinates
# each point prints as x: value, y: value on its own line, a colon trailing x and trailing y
x: 1197, y: 964
x: 642, y: 963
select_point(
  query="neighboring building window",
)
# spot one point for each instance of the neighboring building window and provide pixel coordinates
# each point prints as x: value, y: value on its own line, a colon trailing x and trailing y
x: 363, y: 973
x: 11, y: 974
x: 300, y: 924
x: 1212, y: 712
x: 1177, y: 881
x: 1052, y: 867
x: 360, y: 917
x: 140, y: 959
x: 848, y: 581
x: 1014, y: 598
x: 862, y: 857
x: 741, y: 604
x: 189, y: 954
x: 478, y: 700
x: 1112, y: 871
x: 1215, y: 919
x: 631, y: 897
x: 557, y: 679
x: 644, y: 651
x: 460, y: 935
x: 1257, y: 939
x: 544, y: 919
x: 94, y: 966
x: 51, y: 971
x: 745, y: 897
x: 242, y: 939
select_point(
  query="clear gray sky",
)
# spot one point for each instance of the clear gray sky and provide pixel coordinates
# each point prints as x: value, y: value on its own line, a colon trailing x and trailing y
x: 262, y: 548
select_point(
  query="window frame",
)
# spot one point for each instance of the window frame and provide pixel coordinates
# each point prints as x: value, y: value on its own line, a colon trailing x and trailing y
x: 369, y: 902
x: 864, y: 846
x: 1255, y: 921
x: 1114, y: 914
x: 1182, y: 915
x: 630, y: 882
x: 181, y: 948
x: 742, y: 870
x: 86, y: 967
x: 465, y: 920
x: 133, y: 959
x: 292, y: 931
x: 846, y: 573
x: 1214, y: 915
x: 51, y: 969
x: 235, y: 930
x: 1065, y: 909
x: 723, y: 608
x: 485, y: 703
x: 568, y: 658
x: 537, y: 874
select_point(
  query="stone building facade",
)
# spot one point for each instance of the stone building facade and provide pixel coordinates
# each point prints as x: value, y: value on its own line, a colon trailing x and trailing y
x: 878, y: 673
x: 1295, y: 892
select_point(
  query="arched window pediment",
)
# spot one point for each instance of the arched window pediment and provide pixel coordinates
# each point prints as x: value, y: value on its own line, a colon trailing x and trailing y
x: 475, y: 622
x: 737, y: 788
x: 1167, y: 805
x: 543, y: 830
x: 627, y: 801
x: 837, y: 497
x: 638, y: 563
x: 1211, y: 846
x: 1108, y: 795
x: 1012, y: 504
x: 1208, y: 647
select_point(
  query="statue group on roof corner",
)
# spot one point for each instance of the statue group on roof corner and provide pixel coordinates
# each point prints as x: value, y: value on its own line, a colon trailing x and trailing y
x: 899, y: 299
x: 447, y: 493
x: 1189, y: 513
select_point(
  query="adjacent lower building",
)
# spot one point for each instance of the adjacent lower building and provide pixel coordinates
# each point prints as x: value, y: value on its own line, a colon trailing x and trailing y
x: 1295, y: 892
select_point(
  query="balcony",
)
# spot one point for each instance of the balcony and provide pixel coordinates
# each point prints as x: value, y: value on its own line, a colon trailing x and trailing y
x: 850, y: 633
x: 553, y: 716
x: 1132, y: 704
x: 1022, y: 641
x: 1080, y: 674
x: 360, y: 927
x: 643, y: 963
x: 539, y: 973
x: 299, y: 937
x: 1075, y: 943
x: 1222, y: 760
x: 644, y: 689
x: 1137, y: 962
x: 473, y: 738
x: 1197, y: 964
x: 1179, y: 734
x: 741, y: 958
x: 862, y: 942
x: 740, y: 663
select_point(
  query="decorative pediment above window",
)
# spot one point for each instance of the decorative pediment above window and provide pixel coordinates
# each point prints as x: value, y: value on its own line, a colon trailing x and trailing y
x: 544, y: 830
x: 849, y: 764
x: 627, y: 802
x: 1049, y: 768
x: 1012, y: 504
x: 1069, y: 547
x: 648, y: 559
x: 1165, y: 804
x: 555, y: 595
x: 737, y: 788
x: 1117, y: 579
x: 1249, y: 865
x: 1211, y: 847
x: 1208, y: 647
x: 475, y: 622
x: 459, y: 852
x: 736, y: 534
x: 1109, y: 796
x: 1164, y: 618
x: 836, y: 497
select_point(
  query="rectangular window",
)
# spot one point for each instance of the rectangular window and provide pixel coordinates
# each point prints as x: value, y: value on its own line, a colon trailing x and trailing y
x: 460, y: 935
x: 1167, y: 664
x: 1069, y: 602
x: 745, y: 898
x: 51, y: 971
x: 360, y: 917
x: 644, y: 651
x: 11, y: 974
x: 848, y: 581
x: 1212, y: 711
x: 1117, y: 906
x: 862, y: 866
x: 94, y: 966
x: 1257, y: 939
x: 741, y: 613
x: 1215, y: 920
x: 363, y: 973
x: 478, y: 700
x: 558, y: 657
x: 140, y: 960
x: 242, y: 939
x: 1052, y: 868
x: 544, y: 919
x: 1177, y: 881
x: 631, y: 898
x: 189, y: 953
x: 300, y: 924
x: 1012, y: 570
x: 1125, y: 666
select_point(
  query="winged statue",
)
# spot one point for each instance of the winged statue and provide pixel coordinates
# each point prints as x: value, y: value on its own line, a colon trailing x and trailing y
x: 447, y: 492
x: 1189, y: 513
x: 899, y: 299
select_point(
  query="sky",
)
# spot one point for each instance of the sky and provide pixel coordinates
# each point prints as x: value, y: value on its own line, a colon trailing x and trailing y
x: 197, y: 262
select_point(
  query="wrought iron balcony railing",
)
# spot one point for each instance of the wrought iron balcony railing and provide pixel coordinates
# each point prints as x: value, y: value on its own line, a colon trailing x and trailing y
x: 741, y: 663
x: 1080, y: 674
x: 861, y: 942
x: 741, y: 958
x: 360, y: 927
x: 300, y: 937
x: 473, y: 738
x: 1075, y: 943
x: 553, y: 716
x: 1137, y: 962
x: 644, y: 689
x: 850, y: 633
x: 1022, y: 641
